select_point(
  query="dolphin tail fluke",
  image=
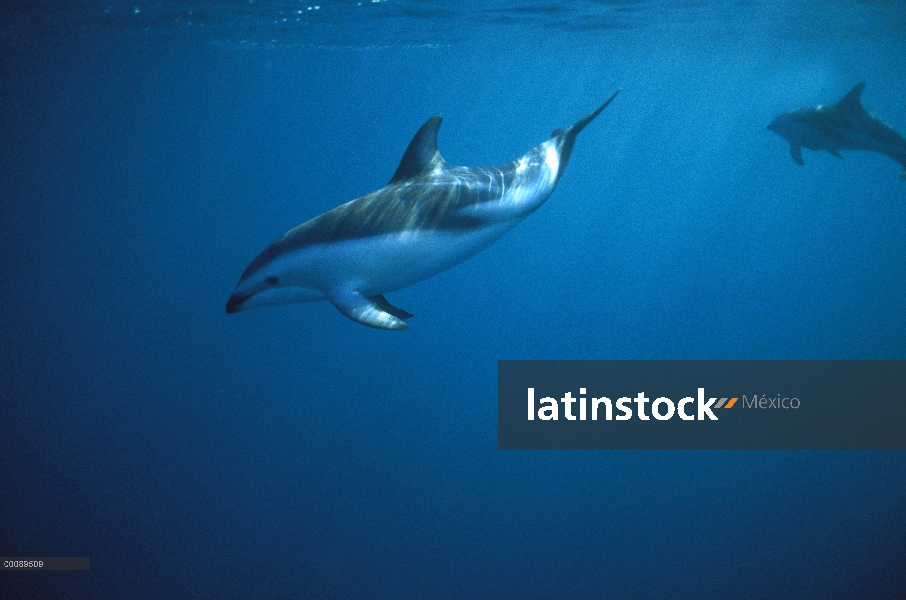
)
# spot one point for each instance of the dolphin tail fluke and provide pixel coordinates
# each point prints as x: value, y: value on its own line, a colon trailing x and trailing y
x: 568, y: 137
x: 368, y: 311
x: 579, y: 125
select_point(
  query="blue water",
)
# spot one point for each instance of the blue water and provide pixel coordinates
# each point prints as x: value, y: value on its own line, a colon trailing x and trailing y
x: 148, y: 152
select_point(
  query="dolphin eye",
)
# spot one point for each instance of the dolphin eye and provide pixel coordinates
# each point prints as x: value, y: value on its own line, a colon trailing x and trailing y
x: 271, y: 280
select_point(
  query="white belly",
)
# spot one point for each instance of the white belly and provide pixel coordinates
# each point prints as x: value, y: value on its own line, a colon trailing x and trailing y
x: 382, y: 264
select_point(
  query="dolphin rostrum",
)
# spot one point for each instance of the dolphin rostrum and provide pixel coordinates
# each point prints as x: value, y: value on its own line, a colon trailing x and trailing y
x: 845, y: 125
x: 430, y: 217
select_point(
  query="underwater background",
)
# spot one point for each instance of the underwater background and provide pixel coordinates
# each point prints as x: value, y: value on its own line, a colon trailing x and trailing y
x: 148, y: 152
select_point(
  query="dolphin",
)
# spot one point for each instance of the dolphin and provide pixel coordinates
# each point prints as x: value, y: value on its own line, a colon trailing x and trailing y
x: 430, y: 217
x: 845, y: 125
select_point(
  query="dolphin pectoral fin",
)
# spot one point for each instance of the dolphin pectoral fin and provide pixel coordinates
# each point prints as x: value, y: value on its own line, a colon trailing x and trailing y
x: 384, y: 305
x: 796, y: 153
x: 366, y: 311
x: 835, y: 153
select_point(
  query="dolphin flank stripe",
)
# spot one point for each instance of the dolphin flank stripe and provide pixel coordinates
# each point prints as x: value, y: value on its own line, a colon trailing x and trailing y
x: 380, y: 214
x: 431, y: 216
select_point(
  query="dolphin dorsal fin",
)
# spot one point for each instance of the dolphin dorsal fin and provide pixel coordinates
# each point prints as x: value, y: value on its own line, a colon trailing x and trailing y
x: 422, y: 155
x: 852, y: 101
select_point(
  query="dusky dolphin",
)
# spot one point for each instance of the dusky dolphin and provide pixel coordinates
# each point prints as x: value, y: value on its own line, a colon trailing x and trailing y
x: 430, y: 217
x: 845, y: 125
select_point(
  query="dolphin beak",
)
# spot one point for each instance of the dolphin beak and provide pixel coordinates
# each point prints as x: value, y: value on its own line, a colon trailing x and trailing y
x: 234, y: 304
